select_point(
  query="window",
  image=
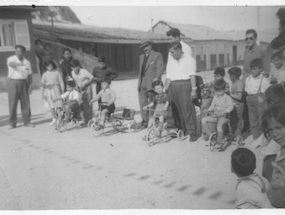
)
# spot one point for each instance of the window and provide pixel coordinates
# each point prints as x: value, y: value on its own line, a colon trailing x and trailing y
x: 202, y: 51
x: 13, y: 32
x: 193, y: 49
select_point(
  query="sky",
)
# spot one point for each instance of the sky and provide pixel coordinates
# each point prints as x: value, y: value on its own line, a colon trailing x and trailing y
x: 217, y: 17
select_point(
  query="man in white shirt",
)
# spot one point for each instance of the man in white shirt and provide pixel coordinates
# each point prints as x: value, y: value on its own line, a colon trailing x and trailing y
x: 19, y: 86
x: 181, y: 86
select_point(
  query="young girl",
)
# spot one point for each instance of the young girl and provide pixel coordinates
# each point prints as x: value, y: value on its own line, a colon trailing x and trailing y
x: 274, y: 126
x: 52, y: 86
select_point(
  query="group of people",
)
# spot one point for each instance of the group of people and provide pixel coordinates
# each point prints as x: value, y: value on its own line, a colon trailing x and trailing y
x: 256, y: 95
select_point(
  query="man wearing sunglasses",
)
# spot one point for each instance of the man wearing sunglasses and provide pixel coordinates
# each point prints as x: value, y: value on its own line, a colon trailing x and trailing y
x: 254, y: 51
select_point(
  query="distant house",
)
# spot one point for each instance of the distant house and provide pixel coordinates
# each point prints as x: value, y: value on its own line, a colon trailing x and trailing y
x: 211, y: 48
x: 15, y: 28
x: 119, y: 46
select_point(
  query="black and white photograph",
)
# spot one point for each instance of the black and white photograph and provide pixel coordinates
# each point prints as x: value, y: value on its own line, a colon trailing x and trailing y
x: 135, y: 107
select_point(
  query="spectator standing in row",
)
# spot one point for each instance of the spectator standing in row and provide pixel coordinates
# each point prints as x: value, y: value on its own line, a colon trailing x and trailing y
x: 277, y: 72
x: 151, y: 67
x: 19, y: 86
x: 66, y: 66
x: 103, y: 72
x: 254, y: 51
x: 255, y: 86
x: 181, y: 86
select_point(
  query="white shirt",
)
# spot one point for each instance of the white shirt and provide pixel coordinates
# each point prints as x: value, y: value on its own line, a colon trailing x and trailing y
x: 181, y: 69
x: 72, y: 95
x: 277, y: 74
x: 19, y: 72
x: 82, y: 77
x: 257, y: 84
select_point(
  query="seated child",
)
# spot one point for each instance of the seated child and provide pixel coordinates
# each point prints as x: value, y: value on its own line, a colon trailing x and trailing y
x: 161, y: 103
x: 277, y: 71
x: 108, y: 97
x: 274, y: 125
x: 208, y: 90
x: 255, y: 86
x: 251, y: 188
x: 71, y: 101
x: 237, y: 95
x: 221, y: 106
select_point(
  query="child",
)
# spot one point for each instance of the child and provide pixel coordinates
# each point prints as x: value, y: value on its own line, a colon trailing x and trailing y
x: 255, y: 86
x: 52, y: 86
x: 221, y: 106
x: 277, y: 73
x: 236, y: 93
x: 274, y: 127
x: 108, y: 97
x: 208, y: 90
x: 161, y: 103
x: 71, y: 101
x: 251, y: 188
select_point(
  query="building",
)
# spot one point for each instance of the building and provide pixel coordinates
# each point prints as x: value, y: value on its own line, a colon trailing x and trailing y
x: 15, y: 29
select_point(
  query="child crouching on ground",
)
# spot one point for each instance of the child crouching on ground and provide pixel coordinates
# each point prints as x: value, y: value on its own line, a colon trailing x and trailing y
x: 161, y: 103
x: 108, y: 97
x: 237, y: 95
x: 71, y: 102
x: 251, y: 188
x: 220, y: 107
x: 255, y: 86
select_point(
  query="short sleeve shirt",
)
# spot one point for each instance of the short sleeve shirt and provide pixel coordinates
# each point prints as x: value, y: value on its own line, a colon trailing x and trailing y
x: 82, y: 77
x: 19, y: 72
x: 161, y: 99
x: 73, y: 95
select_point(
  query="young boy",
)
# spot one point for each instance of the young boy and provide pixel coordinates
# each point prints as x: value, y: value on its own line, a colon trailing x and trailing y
x: 251, y: 188
x: 220, y: 107
x: 108, y: 97
x: 236, y: 93
x: 208, y: 90
x: 255, y: 86
x: 277, y: 73
x: 71, y: 104
x: 161, y: 103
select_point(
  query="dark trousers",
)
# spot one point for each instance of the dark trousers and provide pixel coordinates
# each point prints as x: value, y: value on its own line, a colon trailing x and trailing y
x: 87, y: 109
x: 255, y: 105
x: 18, y: 90
x: 145, y: 98
x: 183, y: 109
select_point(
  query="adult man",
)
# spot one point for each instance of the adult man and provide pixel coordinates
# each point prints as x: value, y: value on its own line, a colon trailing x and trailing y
x: 181, y: 87
x: 174, y: 35
x: 151, y: 68
x: 19, y: 86
x: 254, y: 51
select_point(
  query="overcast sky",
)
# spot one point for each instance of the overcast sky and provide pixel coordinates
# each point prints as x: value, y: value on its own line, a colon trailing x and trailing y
x: 218, y: 17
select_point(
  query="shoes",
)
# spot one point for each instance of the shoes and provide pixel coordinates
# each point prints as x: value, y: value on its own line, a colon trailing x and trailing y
x: 29, y: 125
x: 144, y: 124
x: 12, y: 126
x: 53, y: 121
x: 192, y: 138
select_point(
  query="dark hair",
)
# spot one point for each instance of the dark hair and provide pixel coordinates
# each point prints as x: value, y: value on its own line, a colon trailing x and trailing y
x: 276, y: 112
x: 251, y: 31
x: 37, y: 41
x: 47, y: 44
x: 275, y: 94
x: 243, y: 162
x: 107, y: 80
x: 66, y: 49
x: 102, y: 59
x: 23, y: 48
x: 75, y: 63
x: 175, y: 46
x: 281, y: 16
x: 278, y: 54
x: 236, y: 71
x: 157, y: 83
x: 220, y: 85
x: 220, y: 71
x: 70, y: 83
x: 50, y: 62
x: 174, y: 32
x: 257, y: 62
